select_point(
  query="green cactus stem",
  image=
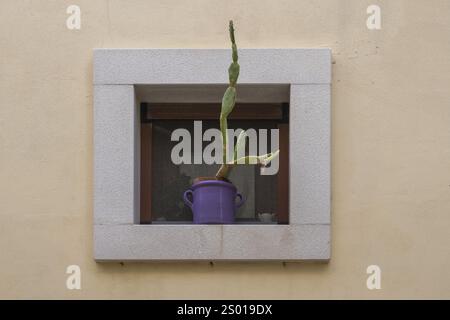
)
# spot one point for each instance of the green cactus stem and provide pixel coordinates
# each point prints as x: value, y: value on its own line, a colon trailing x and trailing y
x: 228, y: 102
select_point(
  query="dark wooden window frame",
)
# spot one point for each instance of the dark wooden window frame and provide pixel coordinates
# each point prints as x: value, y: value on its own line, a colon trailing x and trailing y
x: 208, y: 111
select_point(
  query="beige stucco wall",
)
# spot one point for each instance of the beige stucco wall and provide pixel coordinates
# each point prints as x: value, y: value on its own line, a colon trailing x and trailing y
x: 390, y: 145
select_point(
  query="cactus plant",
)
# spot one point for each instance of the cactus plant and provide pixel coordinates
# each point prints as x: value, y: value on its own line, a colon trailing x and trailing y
x: 213, y: 199
x: 228, y: 103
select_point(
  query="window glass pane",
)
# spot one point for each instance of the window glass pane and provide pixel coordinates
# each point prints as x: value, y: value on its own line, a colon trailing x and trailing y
x: 170, y: 181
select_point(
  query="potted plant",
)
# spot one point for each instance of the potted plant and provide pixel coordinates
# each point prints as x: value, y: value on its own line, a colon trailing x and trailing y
x: 213, y: 199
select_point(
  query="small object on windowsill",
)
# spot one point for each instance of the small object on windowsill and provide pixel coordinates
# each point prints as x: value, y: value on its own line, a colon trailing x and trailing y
x: 266, y: 217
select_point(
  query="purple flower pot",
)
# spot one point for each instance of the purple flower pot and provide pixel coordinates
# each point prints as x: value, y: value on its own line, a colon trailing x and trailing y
x: 213, y: 201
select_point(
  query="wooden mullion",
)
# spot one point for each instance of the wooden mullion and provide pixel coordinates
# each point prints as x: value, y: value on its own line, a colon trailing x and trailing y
x: 146, y: 173
x: 283, y: 175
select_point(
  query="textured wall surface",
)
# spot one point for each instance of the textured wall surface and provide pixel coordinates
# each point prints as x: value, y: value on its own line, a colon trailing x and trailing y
x: 390, y: 145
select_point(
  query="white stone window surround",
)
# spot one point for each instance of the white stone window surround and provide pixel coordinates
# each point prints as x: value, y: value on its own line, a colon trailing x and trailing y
x: 117, y: 75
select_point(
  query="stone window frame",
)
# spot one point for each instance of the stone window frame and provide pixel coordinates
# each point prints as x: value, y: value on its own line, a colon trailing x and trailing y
x: 117, y: 234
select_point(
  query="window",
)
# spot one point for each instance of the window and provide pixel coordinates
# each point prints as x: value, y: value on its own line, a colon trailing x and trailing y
x: 163, y: 182
x: 191, y: 80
